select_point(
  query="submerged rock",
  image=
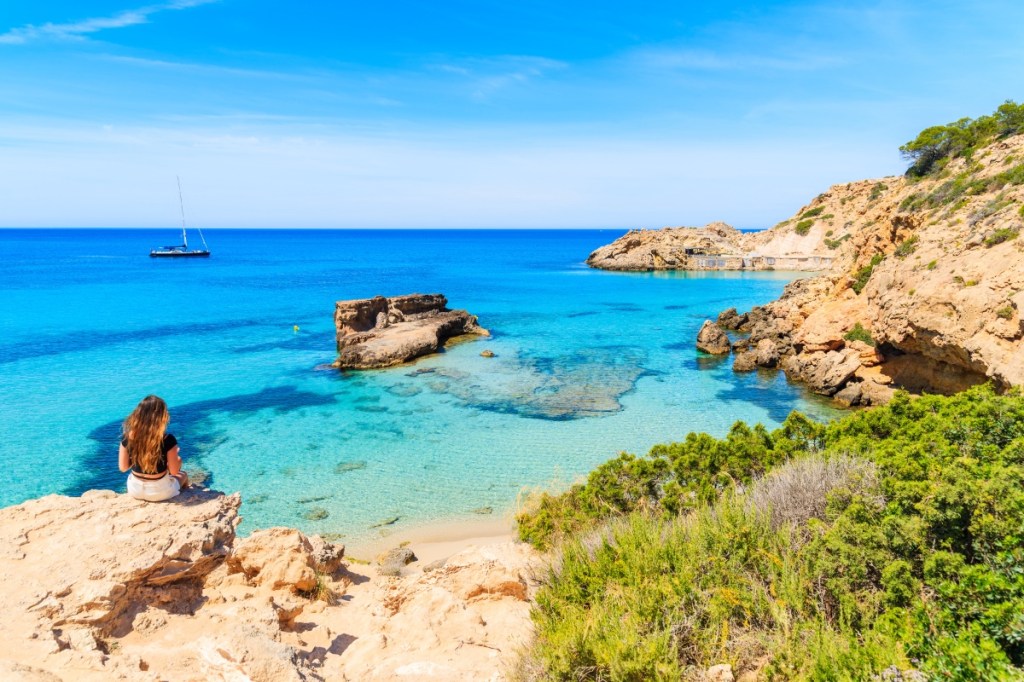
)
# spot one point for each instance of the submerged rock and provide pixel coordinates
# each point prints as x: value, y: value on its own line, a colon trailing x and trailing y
x: 381, y: 332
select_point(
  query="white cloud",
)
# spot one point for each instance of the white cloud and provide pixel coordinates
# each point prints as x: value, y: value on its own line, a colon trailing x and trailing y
x: 78, y: 30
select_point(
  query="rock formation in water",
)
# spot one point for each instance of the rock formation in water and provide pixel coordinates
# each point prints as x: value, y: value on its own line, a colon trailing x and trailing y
x: 711, y: 339
x: 107, y: 587
x: 382, y: 332
x: 925, y: 292
x: 717, y: 246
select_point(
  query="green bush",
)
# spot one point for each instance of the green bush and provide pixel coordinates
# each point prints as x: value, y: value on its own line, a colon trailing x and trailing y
x: 906, y: 551
x: 1006, y: 312
x: 876, y: 190
x: 1003, y: 234
x: 803, y: 227
x: 814, y: 212
x: 860, y: 279
x: 859, y: 333
x: 906, y: 247
x: 932, y: 264
x: 836, y: 243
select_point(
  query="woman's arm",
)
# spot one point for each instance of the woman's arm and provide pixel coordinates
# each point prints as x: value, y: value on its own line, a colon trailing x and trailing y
x: 123, y: 463
x: 174, y: 461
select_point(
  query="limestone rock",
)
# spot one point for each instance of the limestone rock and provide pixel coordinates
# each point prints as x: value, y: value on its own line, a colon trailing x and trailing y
x: 767, y: 353
x: 940, y: 297
x: 394, y: 560
x: 280, y: 558
x: 327, y: 556
x: 745, y: 362
x: 732, y: 319
x: 105, y: 587
x: 463, y: 621
x: 715, y: 246
x: 850, y: 394
x: 382, y: 332
x: 711, y: 339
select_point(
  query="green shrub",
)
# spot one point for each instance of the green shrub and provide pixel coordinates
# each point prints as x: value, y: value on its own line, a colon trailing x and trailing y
x: 836, y: 243
x: 803, y: 227
x: 890, y: 537
x: 876, y: 190
x: 859, y: 333
x: 860, y: 279
x: 1006, y: 312
x: 932, y: 264
x: 812, y: 212
x: 1003, y: 234
x: 906, y: 247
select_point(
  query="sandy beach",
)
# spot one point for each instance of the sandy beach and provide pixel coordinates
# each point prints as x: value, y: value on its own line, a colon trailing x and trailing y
x: 437, y: 540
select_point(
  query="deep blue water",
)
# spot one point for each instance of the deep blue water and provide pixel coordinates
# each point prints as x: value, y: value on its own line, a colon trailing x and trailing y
x: 587, y: 364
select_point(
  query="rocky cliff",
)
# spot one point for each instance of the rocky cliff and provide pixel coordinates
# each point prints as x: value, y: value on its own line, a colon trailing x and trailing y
x: 382, y: 332
x: 925, y: 290
x: 105, y: 587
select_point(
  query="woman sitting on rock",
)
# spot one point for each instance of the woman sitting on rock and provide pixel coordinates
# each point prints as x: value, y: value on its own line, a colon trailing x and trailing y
x: 151, y: 453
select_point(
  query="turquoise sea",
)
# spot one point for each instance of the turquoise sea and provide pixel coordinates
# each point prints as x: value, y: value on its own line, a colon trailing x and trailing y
x: 587, y: 364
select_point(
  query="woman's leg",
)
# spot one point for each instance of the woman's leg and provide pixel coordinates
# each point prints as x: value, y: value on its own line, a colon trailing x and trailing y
x: 182, y: 478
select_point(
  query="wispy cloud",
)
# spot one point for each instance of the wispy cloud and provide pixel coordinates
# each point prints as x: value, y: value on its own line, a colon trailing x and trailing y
x: 489, y: 76
x: 78, y: 30
x: 668, y: 59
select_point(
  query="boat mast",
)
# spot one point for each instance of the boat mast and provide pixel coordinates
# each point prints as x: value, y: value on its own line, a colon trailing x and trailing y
x: 184, y: 238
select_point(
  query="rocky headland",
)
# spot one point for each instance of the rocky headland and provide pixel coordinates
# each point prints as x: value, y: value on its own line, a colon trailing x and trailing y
x: 106, y: 587
x: 924, y: 291
x: 716, y: 246
x: 379, y: 332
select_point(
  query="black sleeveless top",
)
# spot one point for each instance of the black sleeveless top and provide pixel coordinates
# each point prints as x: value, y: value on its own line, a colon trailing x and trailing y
x: 161, y: 463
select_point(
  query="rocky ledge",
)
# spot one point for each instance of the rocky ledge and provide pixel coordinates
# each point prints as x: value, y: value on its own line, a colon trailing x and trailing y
x: 925, y: 291
x: 382, y: 332
x: 105, y: 587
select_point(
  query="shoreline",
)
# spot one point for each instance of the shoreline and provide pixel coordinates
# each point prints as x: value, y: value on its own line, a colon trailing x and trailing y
x: 438, y: 539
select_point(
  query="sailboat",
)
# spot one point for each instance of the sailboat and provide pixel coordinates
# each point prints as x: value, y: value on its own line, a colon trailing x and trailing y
x: 182, y: 250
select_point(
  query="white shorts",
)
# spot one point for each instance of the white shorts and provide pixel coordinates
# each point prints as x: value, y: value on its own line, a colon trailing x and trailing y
x: 153, y: 491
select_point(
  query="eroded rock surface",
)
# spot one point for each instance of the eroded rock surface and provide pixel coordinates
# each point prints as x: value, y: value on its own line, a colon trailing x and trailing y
x: 105, y: 587
x: 382, y: 332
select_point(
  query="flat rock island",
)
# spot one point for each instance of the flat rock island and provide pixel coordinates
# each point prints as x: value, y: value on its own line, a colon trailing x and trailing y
x: 382, y: 332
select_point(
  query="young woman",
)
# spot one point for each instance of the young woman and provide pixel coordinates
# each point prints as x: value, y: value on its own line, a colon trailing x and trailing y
x: 151, y: 453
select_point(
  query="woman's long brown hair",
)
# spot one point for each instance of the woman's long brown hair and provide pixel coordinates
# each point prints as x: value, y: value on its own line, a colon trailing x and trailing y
x: 144, y: 428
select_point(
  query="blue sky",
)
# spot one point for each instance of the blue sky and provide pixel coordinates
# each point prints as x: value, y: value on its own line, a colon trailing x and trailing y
x: 475, y: 113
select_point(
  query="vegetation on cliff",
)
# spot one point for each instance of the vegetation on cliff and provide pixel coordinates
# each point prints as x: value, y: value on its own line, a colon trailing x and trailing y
x: 937, y: 145
x: 891, y: 537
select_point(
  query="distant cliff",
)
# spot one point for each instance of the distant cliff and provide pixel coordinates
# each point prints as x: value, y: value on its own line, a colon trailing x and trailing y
x: 718, y: 246
x: 926, y: 286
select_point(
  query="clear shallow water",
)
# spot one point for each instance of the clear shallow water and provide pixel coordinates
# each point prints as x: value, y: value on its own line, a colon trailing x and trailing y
x: 587, y: 364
